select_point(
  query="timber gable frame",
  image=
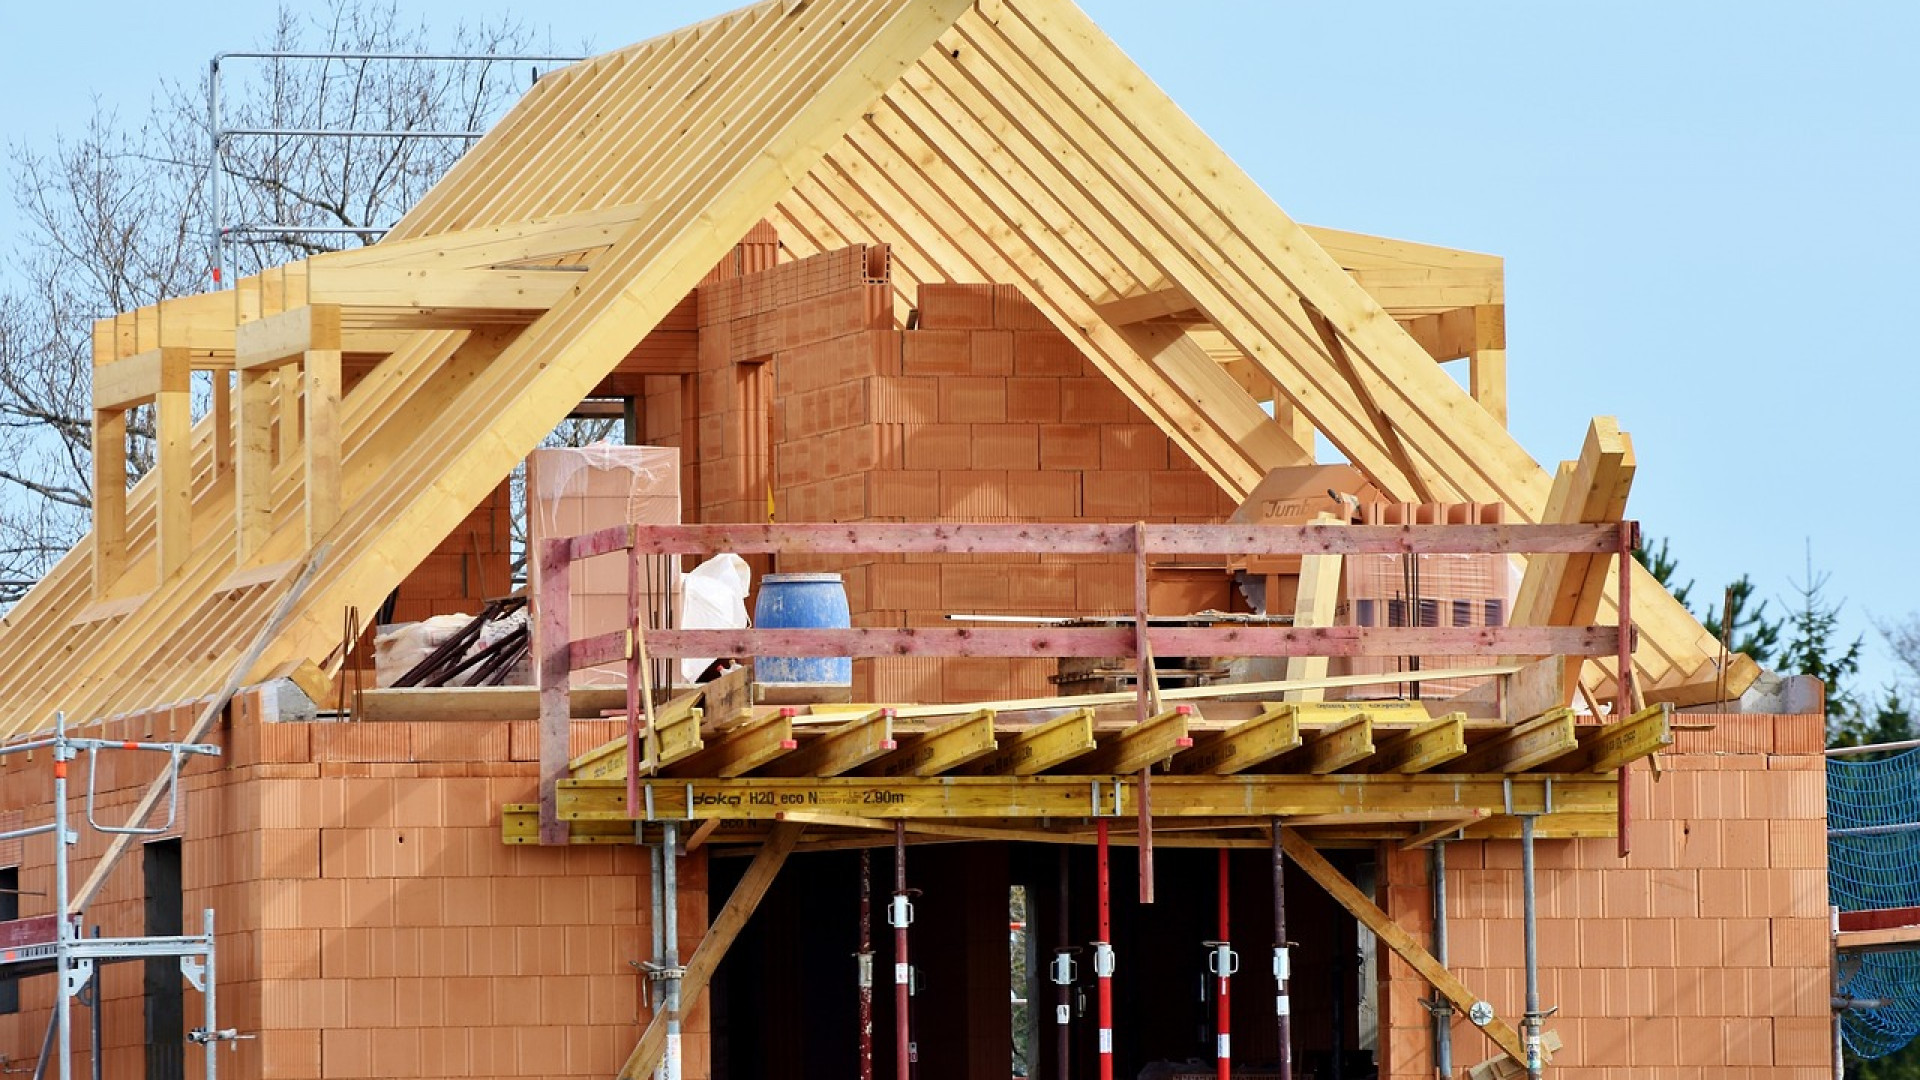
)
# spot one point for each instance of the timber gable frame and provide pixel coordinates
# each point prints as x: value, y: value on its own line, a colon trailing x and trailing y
x: 1004, y: 141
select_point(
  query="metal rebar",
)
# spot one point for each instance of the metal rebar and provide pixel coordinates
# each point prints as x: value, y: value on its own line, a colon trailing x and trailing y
x: 1282, y: 960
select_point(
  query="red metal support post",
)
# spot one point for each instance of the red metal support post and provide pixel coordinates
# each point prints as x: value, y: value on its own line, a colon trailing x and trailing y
x: 1224, y: 962
x: 1063, y: 974
x: 1103, y: 953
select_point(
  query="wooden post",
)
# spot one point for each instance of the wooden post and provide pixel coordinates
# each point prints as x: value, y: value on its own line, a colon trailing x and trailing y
x: 173, y: 442
x: 552, y: 668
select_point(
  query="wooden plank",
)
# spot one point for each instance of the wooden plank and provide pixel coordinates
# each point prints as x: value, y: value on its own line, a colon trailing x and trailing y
x: 493, y: 704
x: 1333, y: 748
x: 1395, y: 937
x: 1136, y: 747
x: 1227, y: 639
x: 284, y: 338
x: 1535, y: 742
x: 1428, y: 746
x: 1315, y: 605
x: 1244, y: 797
x: 720, y: 935
x: 1249, y: 691
x: 1036, y: 749
x: 1140, y: 307
x: 957, y: 538
x: 1244, y: 745
x: 551, y: 632
x: 1441, y: 830
x: 1525, y: 694
x: 463, y: 290
x: 948, y: 746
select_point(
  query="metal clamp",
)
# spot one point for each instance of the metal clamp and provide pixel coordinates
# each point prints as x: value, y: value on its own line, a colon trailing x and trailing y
x: 1065, y: 969
x: 662, y: 972
x: 1222, y: 960
x: 230, y: 1036
x: 900, y: 912
x: 1102, y: 960
x: 1282, y: 964
x: 195, y: 972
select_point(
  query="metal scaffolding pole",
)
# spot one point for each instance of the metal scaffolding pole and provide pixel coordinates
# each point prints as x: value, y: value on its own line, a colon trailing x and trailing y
x: 901, y: 916
x: 1441, y: 1008
x: 1063, y: 979
x: 1282, y: 1001
x: 670, y: 887
x: 1530, y: 1023
x: 864, y: 958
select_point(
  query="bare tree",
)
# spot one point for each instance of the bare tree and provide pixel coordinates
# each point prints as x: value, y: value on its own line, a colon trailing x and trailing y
x: 117, y: 216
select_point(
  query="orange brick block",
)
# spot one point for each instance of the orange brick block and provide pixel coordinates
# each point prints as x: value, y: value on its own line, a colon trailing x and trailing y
x: 1069, y: 447
x: 936, y: 352
x: 1013, y: 311
x: 1132, y: 446
x: 938, y: 446
x: 973, y: 400
x: 1044, y: 496
x: 904, y: 494
x: 1115, y: 495
x: 1047, y: 352
x: 1032, y: 400
x: 946, y: 306
x: 993, y: 353
x: 1014, y: 447
x: 973, y: 494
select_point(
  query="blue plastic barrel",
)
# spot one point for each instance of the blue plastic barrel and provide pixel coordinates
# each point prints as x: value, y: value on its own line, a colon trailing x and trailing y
x: 809, y: 602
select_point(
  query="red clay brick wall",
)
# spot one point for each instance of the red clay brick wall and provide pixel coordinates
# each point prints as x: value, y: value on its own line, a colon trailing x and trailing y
x: 1704, y: 953
x: 371, y: 922
x: 983, y: 413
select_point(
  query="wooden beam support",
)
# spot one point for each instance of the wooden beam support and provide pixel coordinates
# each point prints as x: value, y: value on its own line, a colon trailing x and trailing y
x: 1334, y: 748
x: 1487, y: 375
x: 948, y: 746
x: 1134, y: 748
x: 135, y: 380
x: 1245, y: 796
x: 253, y: 464
x: 1442, y: 829
x: 173, y: 460
x: 1315, y: 605
x: 847, y: 747
x: 418, y: 288
x: 109, y: 500
x: 719, y: 938
x: 287, y: 337
x: 1036, y: 749
x: 1428, y: 746
x: 1622, y: 742
x: 1535, y: 742
x: 1154, y: 304
x: 742, y: 749
x: 1396, y: 938
x: 1244, y: 745
x: 320, y: 371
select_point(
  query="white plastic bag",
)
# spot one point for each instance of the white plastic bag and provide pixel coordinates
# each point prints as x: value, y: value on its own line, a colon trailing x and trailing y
x: 713, y: 597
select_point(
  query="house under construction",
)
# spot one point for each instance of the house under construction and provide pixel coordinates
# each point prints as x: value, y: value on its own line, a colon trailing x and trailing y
x: 1416, y: 776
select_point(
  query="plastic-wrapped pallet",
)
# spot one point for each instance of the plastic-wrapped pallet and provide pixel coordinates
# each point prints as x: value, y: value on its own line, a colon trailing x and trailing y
x: 576, y: 490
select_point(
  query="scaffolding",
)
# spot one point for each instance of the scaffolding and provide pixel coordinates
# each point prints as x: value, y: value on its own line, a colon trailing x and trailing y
x: 54, y: 944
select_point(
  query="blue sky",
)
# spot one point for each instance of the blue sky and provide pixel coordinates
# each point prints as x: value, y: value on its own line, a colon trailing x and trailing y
x: 1708, y: 212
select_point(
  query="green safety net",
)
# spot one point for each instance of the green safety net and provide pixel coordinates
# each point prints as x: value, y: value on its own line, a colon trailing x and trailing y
x: 1872, y: 870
